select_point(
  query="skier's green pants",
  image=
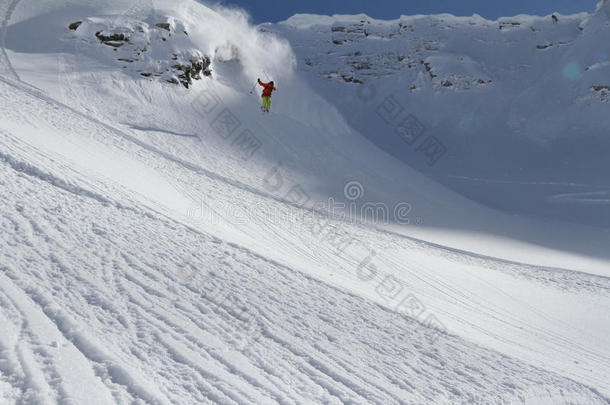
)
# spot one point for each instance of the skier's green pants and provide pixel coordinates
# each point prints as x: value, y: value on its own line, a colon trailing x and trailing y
x: 266, y: 103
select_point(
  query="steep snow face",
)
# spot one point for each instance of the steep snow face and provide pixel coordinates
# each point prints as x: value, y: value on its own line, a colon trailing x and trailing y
x: 157, y: 245
x: 141, y: 49
x: 517, y: 107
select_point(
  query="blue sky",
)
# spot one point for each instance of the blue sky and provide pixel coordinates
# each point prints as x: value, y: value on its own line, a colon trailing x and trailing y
x: 277, y: 10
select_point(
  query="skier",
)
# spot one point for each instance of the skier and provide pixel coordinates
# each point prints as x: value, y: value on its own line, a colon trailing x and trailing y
x: 268, y: 89
x: 555, y: 19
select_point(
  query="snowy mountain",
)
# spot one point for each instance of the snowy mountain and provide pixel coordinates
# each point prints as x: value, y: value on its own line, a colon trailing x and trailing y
x: 164, y: 242
x: 471, y: 84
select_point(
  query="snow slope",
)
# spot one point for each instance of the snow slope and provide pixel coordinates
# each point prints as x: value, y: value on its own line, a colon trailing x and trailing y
x: 152, y: 255
x: 519, y: 104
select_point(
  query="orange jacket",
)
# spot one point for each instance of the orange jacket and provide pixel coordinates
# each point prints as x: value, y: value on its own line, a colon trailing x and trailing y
x: 268, y: 89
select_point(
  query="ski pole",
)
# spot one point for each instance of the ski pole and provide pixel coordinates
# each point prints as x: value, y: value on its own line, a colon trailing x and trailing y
x: 252, y: 91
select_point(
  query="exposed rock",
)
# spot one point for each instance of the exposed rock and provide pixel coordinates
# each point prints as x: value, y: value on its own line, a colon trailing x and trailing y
x: 361, y: 65
x: 350, y: 79
x: 509, y: 24
x: 428, y: 69
x: 114, y: 40
x: 74, y: 26
x: 197, y: 67
x: 138, y: 47
x: 112, y: 37
x: 446, y: 83
x: 601, y: 92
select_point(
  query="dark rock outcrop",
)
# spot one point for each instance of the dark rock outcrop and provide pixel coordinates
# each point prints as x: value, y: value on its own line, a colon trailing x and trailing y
x: 74, y: 26
x: 115, y: 40
x: 139, y: 49
x: 194, y: 70
x: 601, y: 88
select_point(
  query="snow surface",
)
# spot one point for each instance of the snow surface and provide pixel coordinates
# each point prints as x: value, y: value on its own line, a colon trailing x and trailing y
x: 471, y: 83
x: 167, y: 245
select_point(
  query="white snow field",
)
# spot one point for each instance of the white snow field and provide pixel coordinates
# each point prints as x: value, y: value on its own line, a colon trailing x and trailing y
x: 169, y: 245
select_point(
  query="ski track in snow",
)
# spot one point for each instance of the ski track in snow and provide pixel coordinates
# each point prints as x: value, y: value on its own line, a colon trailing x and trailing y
x: 128, y: 317
x: 197, y: 336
